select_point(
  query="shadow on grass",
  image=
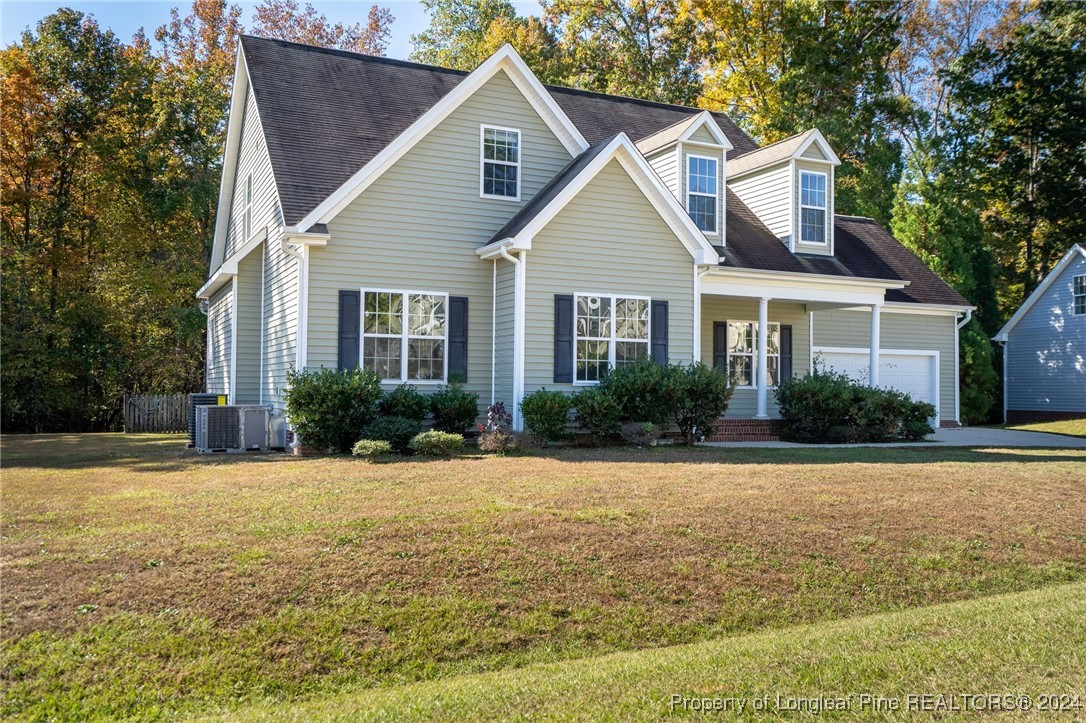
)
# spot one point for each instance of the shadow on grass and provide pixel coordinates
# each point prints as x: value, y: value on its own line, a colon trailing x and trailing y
x: 167, y: 453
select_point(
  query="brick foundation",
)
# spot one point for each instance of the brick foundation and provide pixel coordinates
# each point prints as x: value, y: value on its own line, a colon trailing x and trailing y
x: 746, y: 430
x: 948, y: 424
x: 1022, y: 416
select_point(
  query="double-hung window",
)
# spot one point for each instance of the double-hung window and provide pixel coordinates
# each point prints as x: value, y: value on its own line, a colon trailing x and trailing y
x: 500, y: 163
x: 610, y: 331
x: 1080, y: 295
x: 702, y: 192
x: 743, y: 352
x: 403, y: 335
x: 812, y: 207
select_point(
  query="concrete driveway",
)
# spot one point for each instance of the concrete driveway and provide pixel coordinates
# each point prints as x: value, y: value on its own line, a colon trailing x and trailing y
x: 961, y: 437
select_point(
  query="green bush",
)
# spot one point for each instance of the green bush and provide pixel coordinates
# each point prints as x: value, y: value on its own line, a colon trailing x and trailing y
x: 546, y: 414
x: 697, y: 396
x: 397, y: 431
x: 436, y: 444
x: 328, y: 408
x: 404, y: 401
x: 829, y: 407
x: 454, y: 409
x: 641, y: 390
x: 371, y: 448
x: 597, y: 413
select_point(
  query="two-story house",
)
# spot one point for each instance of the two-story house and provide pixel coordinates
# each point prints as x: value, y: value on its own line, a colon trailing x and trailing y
x: 432, y: 224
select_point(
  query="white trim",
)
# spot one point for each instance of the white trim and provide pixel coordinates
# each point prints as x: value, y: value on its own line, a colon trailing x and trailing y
x: 698, y: 273
x: 705, y: 120
x: 793, y: 217
x: 612, y: 340
x: 904, y: 307
x: 301, y: 346
x: 823, y: 145
x: 494, y: 332
x: 506, y: 59
x: 798, y: 180
x: 716, y: 196
x: 875, y: 341
x: 933, y: 353
x: 754, y: 353
x: 1040, y: 291
x: 229, y: 268
x: 763, y: 357
x: 404, y: 336
x: 263, y: 322
x: 797, y: 155
x: 483, y: 128
x: 803, y: 288
x: 233, y: 375
x: 520, y: 287
x: 1075, y: 294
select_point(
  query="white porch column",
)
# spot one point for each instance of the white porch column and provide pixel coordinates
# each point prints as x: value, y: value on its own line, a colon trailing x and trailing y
x: 763, y: 341
x: 874, y: 363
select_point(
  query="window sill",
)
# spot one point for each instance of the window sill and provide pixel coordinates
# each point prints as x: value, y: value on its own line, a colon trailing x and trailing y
x: 500, y: 198
x: 813, y: 243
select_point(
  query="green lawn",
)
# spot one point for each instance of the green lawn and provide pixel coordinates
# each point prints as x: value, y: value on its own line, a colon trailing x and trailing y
x: 143, y: 580
x: 1026, y: 644
x: 1072, y: 427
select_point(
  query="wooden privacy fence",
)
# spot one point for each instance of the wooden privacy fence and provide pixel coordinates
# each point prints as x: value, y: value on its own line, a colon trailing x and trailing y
x: 156, y: 413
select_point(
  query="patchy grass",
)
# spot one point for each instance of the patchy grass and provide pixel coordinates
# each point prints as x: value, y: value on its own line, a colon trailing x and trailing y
x: 1070, y: 427
x: 1025, y: 644
x: 141, y: 579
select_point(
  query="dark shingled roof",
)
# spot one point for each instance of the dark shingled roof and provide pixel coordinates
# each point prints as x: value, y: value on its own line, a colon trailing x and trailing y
x: 530, y: 210
x: 326, y: 113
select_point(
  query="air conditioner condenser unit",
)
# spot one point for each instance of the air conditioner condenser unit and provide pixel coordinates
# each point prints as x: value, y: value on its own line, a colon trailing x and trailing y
x: 231, y: 428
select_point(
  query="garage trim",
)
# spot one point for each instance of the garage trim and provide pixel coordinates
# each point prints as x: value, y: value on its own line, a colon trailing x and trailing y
x: 932, y: 353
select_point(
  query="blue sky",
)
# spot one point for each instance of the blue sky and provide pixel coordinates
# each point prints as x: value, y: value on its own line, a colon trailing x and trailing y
x: 124, y: 18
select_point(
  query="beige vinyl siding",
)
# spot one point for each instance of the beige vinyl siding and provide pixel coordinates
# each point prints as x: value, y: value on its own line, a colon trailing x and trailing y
x: 744, y: 402
x: 814, y: 153
x: 766, y: 194
x: 825, y: 249
x: 505, y: 318
x: 702, y: 135
x: 919, y: 332
x: 280, y: 316
x: 718, y: 154
x: 253, y: 159
x: 247, y: 328
x: 418, y: 226
x: 219, y: 330
x: 609, y: 240
x: 666, y: 167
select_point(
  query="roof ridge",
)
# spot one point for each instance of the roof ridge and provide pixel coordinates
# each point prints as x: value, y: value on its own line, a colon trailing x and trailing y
x: 355, y: 54
x: 859, y: 218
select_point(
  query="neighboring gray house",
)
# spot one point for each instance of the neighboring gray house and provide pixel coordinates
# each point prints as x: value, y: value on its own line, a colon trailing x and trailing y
x: 1044, y: 347
x: 429, y: 223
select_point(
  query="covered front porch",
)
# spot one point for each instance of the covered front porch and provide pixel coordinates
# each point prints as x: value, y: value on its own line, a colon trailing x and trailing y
x: 757, y: 328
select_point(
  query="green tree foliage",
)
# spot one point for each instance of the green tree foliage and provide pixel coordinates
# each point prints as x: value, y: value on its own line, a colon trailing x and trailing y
x: 1021, y: 110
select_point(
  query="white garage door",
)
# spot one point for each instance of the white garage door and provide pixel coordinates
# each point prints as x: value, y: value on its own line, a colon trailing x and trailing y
x: 914, y: 374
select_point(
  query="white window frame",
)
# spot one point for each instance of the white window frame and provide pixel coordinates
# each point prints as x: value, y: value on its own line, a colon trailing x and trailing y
x: 404, y: 336
x: 610, y: 339
x: 715, y: 196
x: 824, y: 209
x: 1075, y: 294
x: 483, y: 128
x: 753, y: 354
x: 247, y: 210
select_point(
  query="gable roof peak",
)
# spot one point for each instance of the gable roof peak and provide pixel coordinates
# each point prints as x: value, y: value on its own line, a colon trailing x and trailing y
x: 783, y: 150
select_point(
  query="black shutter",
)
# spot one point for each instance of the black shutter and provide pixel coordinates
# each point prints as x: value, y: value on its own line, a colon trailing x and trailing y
x: 563, y: 339
x: 659, y: 332
x: 720, y: 346
x: 786, y: 353
x: 350, y: 311
x: 458, y: 338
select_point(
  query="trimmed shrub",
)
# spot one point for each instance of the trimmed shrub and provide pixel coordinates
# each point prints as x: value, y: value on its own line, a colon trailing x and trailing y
x: 404, y: 401
x: 371, y: 448
x: 698, y: 396
x: 829, y: 407
x: 495, y: 436
x: 597, y: 413
x: 436, y: 444
x: 397, y: 431
x: 546, y: 414
x: 328, y: 408
x: 640, y: 433
x: 454, y: 409
x: 641, y: 390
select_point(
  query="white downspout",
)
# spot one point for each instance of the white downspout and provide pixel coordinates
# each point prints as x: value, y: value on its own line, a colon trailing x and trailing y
x: 518, y: 331
x: 698, y: 273
x: 957, y: 369
x: 1004, y: 344
x: 493, y: 331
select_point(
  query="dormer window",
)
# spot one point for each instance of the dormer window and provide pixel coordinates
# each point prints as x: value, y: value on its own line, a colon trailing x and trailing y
x: 500, y: 163
x: 702, y: 192
x: 812, y: 207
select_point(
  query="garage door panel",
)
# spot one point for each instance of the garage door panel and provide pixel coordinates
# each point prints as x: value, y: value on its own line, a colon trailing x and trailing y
x: 913, y: 374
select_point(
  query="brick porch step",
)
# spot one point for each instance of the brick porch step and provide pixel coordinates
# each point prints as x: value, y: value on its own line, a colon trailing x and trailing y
x: 746, y: 430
